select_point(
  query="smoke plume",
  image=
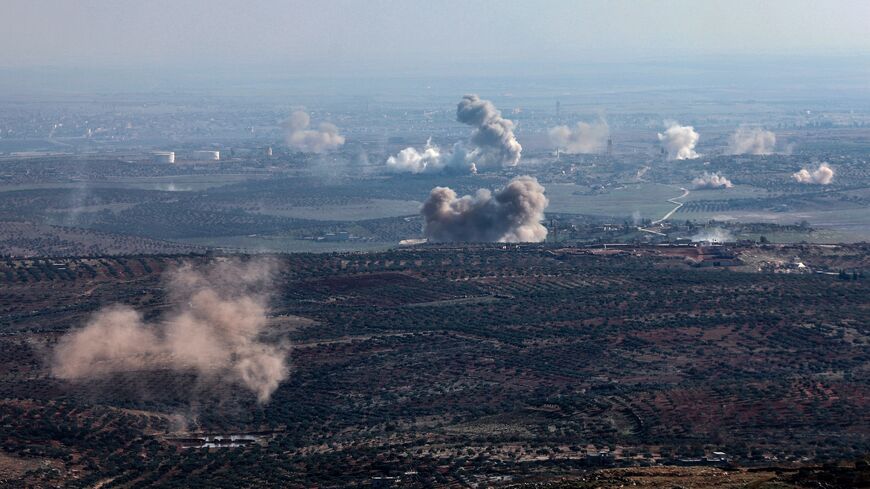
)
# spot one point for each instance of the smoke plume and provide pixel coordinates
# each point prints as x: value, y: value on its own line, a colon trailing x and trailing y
x: 512, y: 214
x: 299, y: 136
x: 751, y: 141
x: 711, y: 180
x: 636, y: 218
x: 492, y: 143
x: 713, y: 235
x: 212, y: 331
x: 583, y: 138
x: 431, y: 159
x: 679, y: 141
x: 823, y: 175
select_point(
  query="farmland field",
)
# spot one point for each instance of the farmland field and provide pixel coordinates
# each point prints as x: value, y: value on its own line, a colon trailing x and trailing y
x: 457, y: 362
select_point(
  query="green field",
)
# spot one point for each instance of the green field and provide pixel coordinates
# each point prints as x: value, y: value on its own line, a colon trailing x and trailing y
x: 371, y: 209
x: 846, y: 225
x: 166, y: 183
x: 648, y: 199
x: 735, y: 192
x: 285, y: 244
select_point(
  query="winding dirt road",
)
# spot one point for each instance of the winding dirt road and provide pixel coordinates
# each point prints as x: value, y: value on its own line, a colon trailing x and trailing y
x: 675, y: 209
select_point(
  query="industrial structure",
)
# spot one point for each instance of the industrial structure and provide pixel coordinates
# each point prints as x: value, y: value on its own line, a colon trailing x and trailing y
x: 164, y: 156
x: 206, y: 155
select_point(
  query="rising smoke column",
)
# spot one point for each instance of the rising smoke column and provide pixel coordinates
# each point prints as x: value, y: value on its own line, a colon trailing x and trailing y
x: 299, y: 136
x: 679, y: 141
x: 492, y: 143
x: 212, y: 331
x: 751, y: 141
x: 512, y: 214
x: 583, y: 138
x: 711, y: 180
x: 823, y: 175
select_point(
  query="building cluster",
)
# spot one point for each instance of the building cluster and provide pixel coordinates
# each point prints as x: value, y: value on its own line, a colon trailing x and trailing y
x: 199, y: 156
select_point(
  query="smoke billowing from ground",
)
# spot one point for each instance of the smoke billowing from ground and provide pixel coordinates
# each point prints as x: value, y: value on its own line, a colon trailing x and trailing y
x: 299, y: 136
x: 711, y: 180
x: 583, y: 138
x: 413, y: 161
x: 823, y: 175
x: 679, y: 142
x: 512, y: 214
x: 212, y: 331
x: 409, y: 160
x: 492, y: 143
x: 751, y: 141
x: 713, y: 235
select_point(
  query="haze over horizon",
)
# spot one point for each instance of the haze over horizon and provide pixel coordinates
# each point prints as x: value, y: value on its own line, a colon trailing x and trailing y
x: 393, y: 38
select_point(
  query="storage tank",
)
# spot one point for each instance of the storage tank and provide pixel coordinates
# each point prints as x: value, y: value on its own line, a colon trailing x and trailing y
x: 164, y: 157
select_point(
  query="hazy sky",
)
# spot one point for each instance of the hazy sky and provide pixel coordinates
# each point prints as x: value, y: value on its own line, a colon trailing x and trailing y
x: 408, y: 35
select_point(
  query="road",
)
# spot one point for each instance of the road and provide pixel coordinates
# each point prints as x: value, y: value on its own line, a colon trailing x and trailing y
x: 675, y: 209
x: 667, y: 216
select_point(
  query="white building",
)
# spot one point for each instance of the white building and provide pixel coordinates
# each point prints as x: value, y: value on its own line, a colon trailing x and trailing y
x: 207, y: 155
x: 164, y: 157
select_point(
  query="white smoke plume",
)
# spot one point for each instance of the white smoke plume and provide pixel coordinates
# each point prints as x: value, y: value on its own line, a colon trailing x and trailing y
x: 751, y: 141
x: 636, y: 218
x: 713, y: 235
x: 711, y: 180
x: 413, y: 161
x: 299, y: 136
x: 679, y: 142
x: 491, y: 144
x: 432, y: 159
x: 512, y: 214
x: 823, y: 175
x: 583, y: 138
x: 212, y: 331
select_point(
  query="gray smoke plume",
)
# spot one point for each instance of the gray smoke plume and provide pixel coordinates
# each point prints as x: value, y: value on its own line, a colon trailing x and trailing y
x: 510, y: 215
x: 299, y: 136
x: 491, y: 144
x: 583, y: 138
x: 824, y: 175
x: 751, y: 141
x: 711, y: 180
x: 212, y: 330
x: 679, y: 141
